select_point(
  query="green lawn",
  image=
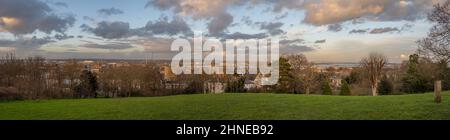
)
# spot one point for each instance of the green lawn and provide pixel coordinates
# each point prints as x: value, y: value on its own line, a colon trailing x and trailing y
x: 233, y: 106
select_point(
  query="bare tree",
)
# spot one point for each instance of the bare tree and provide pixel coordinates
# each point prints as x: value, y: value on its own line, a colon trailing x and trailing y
x: 303, y: 72
x: 71, y: 72
x: 373, y: 66
x: 437, y: 44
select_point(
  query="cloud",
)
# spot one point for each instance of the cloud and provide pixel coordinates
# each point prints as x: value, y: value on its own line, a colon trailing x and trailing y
x: 324, y: 12
x: 87, y: 18
x: 273, y: 28
x: 215, y: 11
x: 320, y: 41
x: 164, y: 26
x: 23, y: 17
x: 63, y: 36
x: 219, y: 24
x: 319, y: 13
x: 110, y: 11
x: 108, y: 46
x: 119, y: 29
x: 247, y: 21
x: 358, y: 31
x: 294, y: 41
x: 294, y: 46
x: 239, y: 35
x: 279, y: 17
x: 109, y: 30
x: 335, y: 27
x: 61, y: 4
x: 384, y: 30
x: 55, y: 23
x: 24, y: 46
x: 155, y: 44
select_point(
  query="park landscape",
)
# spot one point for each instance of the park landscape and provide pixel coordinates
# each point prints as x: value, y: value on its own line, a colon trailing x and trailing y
x: 77, y: 86
x: 234, y: 106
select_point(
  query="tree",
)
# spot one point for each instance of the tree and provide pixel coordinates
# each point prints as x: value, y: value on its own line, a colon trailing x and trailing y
x: 386, y: 86
x: 413, y: 81
x: 285, y: 83
x: 236, y: 84
x: 302, y: 72
x: 71, y: 72
x: 345, y: 89
x: 354, y: 77
x: 373, y: 66
x: 437, y: 44
x: 326, y: 89
x: 88, y: 85
x: 420, y: 74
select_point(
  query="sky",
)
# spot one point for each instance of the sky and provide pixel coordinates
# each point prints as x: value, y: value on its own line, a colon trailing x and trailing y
x: 323, y: 30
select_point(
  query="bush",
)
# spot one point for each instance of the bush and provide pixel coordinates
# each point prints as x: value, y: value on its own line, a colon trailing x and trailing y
x: 236, y: 85
x: 385, y: 87
x: 326, y: 89
x: 9, y: 94
x: 345, y: 89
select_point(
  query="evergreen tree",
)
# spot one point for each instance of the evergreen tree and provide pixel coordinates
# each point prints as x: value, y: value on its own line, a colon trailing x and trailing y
x: 386, y: 86
x: 345, y: 89
x: 88, y: 85
x: 326, y: 89
x: 413, y: 81
x: 286, y: 79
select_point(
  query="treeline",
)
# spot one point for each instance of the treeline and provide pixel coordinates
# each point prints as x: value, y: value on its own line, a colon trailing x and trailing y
x: 34, y: 78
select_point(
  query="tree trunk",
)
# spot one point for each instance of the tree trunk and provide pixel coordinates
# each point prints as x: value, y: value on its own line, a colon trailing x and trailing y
x: 307, y: 90
x: 437, y: 91
x: 374, y: 90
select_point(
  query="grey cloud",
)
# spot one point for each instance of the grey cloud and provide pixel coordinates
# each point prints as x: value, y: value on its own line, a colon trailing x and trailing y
x: 24, y: 47
x: 215, y: 11
x: 61, y: 4
x: 320, y: 41
x: 294, y: 41
x: 32, y: 15
x: 294, y: 46
x: 358, y: 31
x: 273, y: 28
x: 247, y: 20
x: 63, y: 36
x: 110, y: 11
x: 238, y: 35
x: 55, y: 23
x: 108, y: 46
x: 163, y: 26
x: 381, y: 30
x: 384, y: 30
x: 87, y: 18
x: 219, y: 24
x: 279, y: 17
x: 295, y: 49
x: 109, y: 30
x: 335, y: 27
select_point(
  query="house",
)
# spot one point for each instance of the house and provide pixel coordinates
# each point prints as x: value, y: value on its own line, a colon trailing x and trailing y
x: 213, y: 87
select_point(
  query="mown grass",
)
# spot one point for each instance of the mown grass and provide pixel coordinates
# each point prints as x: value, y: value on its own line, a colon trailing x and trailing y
x: 233, y: 107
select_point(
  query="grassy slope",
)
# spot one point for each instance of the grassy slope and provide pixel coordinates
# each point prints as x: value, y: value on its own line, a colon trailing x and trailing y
x: 234, y: 106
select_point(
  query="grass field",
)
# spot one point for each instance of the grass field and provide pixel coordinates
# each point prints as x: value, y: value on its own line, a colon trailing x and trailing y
x: 232, y: 106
